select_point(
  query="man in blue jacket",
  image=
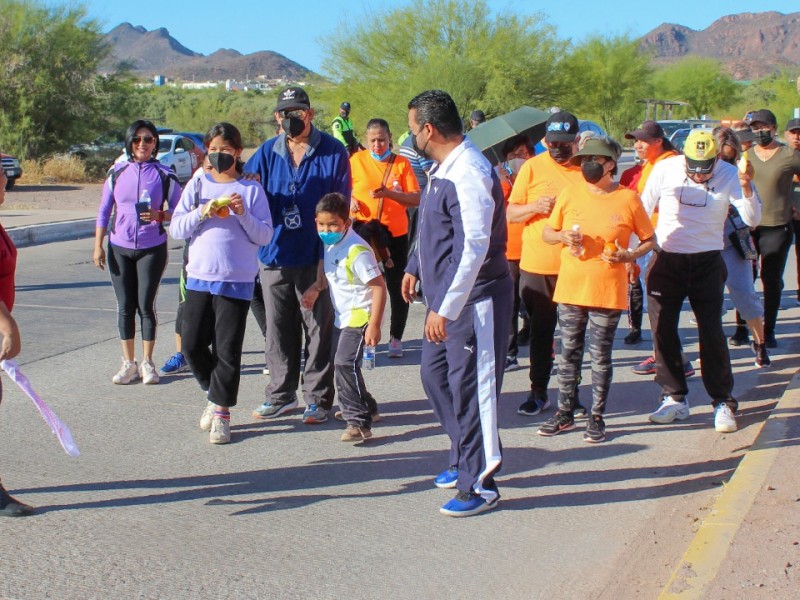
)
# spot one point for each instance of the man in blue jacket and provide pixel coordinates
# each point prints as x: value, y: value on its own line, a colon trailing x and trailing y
x: 461, y: 265
x: 297, y: 168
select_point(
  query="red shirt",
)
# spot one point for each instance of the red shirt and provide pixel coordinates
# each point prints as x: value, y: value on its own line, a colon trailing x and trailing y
x: 8, y: 266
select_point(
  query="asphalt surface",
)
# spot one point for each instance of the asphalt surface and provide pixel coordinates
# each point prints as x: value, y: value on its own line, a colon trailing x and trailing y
x: 152, y: 510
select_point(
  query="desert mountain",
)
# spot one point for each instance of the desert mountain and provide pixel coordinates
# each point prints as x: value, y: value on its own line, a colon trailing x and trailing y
x: 158, y: 53
x: 751, y: 45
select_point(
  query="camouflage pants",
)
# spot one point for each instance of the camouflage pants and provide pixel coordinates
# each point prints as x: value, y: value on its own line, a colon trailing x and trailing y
x: 573, y: 320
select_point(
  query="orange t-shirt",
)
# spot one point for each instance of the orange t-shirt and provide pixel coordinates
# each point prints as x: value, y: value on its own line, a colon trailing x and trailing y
x: 367, y: 175
x: 588, y: 280
x: 646, y: 170
x: 540, y: 176
x: 514, y: 243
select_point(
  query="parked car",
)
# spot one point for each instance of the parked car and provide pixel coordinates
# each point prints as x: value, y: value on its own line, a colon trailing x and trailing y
x: 197, y: 138
x: 671, y: 126
x: 590, y: 126
x: 105, y: 148
x: 12, y: 169
x: 177, y: 152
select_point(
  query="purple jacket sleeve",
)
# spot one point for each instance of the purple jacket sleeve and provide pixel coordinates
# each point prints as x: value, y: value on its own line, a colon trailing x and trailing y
x: 106, y: 205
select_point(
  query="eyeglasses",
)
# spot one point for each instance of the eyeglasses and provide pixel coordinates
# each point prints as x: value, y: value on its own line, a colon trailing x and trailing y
x: 300, y: 113
x: 148, y: 139
x: 692, y: 196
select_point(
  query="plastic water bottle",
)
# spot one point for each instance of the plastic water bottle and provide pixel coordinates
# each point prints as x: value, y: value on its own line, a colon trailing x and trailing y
x: 368, y: 359
x: 579, y: 250
x: 145, y: 199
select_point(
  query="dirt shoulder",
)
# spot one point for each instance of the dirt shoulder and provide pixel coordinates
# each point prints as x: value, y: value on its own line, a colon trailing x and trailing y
x: 54, y: 197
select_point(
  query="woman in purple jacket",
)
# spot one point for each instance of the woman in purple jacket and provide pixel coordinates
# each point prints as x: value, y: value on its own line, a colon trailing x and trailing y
x: 138, y: 196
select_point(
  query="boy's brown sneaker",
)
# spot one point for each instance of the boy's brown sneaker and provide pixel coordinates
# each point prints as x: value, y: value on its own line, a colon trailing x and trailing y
x: 356, y: 434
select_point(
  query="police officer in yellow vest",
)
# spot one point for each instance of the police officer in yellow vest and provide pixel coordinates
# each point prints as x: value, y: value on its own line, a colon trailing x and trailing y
x: 342, y: 129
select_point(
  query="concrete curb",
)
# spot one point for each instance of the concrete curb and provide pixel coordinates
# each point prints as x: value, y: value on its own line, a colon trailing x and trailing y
x: 707, y: 551
x: 32, y: 235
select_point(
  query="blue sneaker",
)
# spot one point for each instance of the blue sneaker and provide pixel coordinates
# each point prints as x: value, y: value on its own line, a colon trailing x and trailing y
x: 447, y: 479
x: 175, y: 364
x: 270, y: 411
x: 314, y: 414
x: 466, y: 504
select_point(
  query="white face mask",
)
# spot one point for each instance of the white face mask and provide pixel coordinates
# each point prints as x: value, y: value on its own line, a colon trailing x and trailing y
x: 515, y: 164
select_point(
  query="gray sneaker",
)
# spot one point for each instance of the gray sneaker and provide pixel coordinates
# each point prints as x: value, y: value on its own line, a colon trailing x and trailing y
x: 270, y: 411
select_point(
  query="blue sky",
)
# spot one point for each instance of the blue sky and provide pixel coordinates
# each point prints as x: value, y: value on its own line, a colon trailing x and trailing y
x: 294, y: 29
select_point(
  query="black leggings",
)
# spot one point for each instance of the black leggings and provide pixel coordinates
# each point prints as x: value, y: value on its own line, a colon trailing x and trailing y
x: 136, y: 275
x: 398, y: 247
x: 773, y: 245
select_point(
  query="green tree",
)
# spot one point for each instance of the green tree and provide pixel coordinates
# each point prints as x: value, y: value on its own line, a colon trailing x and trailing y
x: 701, y: 82
x: 495, y: 63
x: 606, y: 77
x: 777, y: 92
x: 50, y: 92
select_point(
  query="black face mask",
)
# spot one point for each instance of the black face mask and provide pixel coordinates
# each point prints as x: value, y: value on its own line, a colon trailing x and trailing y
x: 561, y: 154
x: 221, y: 161
x: 763, y: 138
x: 293, y: 126
x: 417, y: 149
x: 592, y: 171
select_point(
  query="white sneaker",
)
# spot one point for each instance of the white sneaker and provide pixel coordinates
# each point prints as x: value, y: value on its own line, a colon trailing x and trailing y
x: 395, y: 348
x: 208, y: 415
x: 670, y: 410
x: 724, y: 421
x: 220, y: 431
x: 147, y: 371
x: 127, y: 373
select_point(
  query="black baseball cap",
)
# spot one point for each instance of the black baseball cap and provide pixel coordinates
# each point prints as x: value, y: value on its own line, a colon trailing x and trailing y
x: 292, y: 97
x: 793, y: 124
x: 345, y: 106
x: 561, y: 127
x: 477, y: 115
x: 764, y: 116
x: 648, y: 131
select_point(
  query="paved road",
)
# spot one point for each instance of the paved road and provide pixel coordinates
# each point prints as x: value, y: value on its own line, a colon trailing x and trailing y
x: 151, y: 510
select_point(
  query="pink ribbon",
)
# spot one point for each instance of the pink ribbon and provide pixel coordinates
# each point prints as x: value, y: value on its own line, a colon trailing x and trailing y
x: 59, y: 428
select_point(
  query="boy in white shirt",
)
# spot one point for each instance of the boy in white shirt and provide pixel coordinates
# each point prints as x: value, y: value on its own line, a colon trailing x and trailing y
x: 358, y: 292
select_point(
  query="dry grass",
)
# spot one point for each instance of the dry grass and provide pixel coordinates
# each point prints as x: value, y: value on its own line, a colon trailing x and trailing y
x: 57, y: 169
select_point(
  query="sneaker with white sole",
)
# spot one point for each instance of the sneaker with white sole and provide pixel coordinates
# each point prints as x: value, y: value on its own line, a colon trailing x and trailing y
x: 220, y: 430
x: 395, y: 348
x: 724, y: 420
x: 314, y: 414
x: 175, y: 364
x: 147, y: 371
x: 208, y: 415
x: 670, y: 410
x: 127, y: 373
x: 268, y: 410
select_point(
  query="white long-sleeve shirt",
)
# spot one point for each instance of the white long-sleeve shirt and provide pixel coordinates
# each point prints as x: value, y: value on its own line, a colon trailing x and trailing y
x: 691, y: 216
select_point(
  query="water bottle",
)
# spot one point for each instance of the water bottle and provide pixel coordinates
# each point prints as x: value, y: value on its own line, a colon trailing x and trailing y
x: 143, y: 206
x: 579, y: 250
x: 368, y: 359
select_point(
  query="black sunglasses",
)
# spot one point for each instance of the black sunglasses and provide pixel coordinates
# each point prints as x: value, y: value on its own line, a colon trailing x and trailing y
x: 148, y: 139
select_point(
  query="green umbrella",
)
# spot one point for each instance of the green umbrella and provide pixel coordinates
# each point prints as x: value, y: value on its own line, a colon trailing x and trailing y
x: 490, y: 135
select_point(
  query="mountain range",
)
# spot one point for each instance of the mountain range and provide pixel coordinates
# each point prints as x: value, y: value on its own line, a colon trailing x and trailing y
x: 156, y: 52
x: 750, y: 46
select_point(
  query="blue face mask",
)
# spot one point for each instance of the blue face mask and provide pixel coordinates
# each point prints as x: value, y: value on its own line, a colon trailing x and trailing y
x: 329, y: 238
x: 383, y: 156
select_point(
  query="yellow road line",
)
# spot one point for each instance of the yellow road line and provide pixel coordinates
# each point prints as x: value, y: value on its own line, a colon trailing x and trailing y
x: 708, y: 549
